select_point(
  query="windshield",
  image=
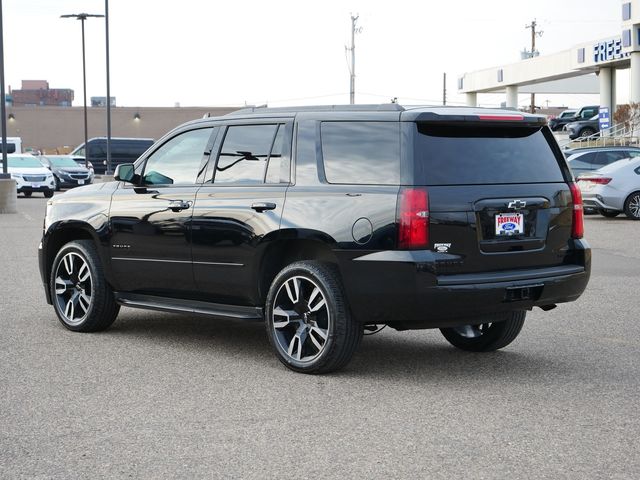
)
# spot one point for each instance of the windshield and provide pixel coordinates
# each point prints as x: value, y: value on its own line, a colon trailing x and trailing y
x: 62, y: 161
x: 79, y: 151
x: 24, y: 162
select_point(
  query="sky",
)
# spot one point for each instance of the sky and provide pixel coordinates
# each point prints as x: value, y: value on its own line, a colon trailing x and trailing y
x: 280, y: 52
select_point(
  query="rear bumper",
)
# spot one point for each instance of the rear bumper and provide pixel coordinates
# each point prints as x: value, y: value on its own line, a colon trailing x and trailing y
x: 601, y: 202
x: 403, y: 288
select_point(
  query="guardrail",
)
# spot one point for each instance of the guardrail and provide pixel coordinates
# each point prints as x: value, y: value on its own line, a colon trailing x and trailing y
x: 616, y: 135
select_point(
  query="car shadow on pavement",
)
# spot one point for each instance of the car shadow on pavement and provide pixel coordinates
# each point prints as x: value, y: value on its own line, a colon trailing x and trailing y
x: 423, y: 355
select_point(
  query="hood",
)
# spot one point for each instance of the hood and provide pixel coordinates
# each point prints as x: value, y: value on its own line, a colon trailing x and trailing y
x: 70, y: 169
x: 29, y: 171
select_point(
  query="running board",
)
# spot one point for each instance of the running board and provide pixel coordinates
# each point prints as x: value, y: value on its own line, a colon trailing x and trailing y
x: 163, y: 304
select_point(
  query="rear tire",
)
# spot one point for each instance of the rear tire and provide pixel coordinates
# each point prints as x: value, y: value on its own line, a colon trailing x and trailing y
x: 609, y: 213
x: 632, y: 206
x: 82, y: 298
x: 486, y: 337
x: 308, y: 320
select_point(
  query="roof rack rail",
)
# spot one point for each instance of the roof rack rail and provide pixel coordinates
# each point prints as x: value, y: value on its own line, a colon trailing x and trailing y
x: 392, y: 107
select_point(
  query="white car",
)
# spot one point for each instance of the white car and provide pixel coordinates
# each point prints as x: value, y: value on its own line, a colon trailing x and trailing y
x: 30, y: 175
x: 613, y: 189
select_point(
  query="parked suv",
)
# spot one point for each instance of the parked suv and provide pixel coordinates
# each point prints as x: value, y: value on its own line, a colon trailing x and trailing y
x: 123, y: 150
x: 66, y: 171
x: 30, y: 175
x: 585, y: 113
x: 327, y: 221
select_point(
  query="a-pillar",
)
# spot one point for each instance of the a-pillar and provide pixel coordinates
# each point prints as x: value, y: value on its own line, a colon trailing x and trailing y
x: 472, y: 99
x: 512, y: 97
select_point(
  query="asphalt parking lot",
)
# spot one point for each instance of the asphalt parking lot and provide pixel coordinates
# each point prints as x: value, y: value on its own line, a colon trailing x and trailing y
x: 169, y: 396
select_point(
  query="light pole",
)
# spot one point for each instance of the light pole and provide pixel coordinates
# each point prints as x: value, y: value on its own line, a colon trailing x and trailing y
x: 5, y: 170
x: 82, y: 17
x: 8, y: 191
x: 106, y: 25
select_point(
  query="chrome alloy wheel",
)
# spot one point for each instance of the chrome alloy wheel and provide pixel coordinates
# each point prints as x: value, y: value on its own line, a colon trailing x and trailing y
x: 301, y: 319
x: 73, y: 288
x: 634, y: 205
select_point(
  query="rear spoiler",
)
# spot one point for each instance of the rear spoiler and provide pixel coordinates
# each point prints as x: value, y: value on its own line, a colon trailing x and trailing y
x: 515, y: 119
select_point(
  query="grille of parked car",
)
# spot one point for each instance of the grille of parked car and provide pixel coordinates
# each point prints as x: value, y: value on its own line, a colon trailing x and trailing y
x: 34, y: 178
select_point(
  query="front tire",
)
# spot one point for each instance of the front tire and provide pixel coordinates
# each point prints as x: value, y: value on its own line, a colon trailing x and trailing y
x: 586, y: 132
x: 82, y: 299
x: 486, y: 337
x: 308, y: 320
x: 48, y: 193
x: 632, y: 206
x: 27, y: 194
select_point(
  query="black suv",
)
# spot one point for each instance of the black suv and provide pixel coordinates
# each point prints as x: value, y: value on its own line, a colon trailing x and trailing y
x: 123, y: 150
x: 326, y: 222
x: 585, y: 113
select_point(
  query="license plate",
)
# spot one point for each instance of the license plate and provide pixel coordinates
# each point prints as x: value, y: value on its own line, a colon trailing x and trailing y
x: 509, y: 224
x: 35, y: 185
x: 80, y: 182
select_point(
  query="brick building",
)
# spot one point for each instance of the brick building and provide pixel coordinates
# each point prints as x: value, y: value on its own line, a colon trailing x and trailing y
x: 38, y: 93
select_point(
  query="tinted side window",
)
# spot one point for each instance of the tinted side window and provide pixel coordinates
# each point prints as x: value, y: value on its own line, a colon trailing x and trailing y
x: 475, y: 155
x: 278, y: 169
x: 605, y: 158
x: 97, y: 149
x: 244, y: 154
x: 587, y: 114
x: 582, y: 161
x: 178, y: 160
x: 365, y: 153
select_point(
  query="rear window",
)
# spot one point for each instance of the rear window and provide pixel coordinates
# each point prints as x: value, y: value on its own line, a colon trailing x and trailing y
x: 363, y: 153
x: 475, y: 155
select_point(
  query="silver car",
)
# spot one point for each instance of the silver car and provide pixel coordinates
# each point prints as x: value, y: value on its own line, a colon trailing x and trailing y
x: 613, y: 189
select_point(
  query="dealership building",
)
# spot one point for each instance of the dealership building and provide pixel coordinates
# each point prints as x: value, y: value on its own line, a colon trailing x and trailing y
x: 586, y: 68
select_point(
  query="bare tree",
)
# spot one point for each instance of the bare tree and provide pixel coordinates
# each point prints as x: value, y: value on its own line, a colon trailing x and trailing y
x: 629, y: 116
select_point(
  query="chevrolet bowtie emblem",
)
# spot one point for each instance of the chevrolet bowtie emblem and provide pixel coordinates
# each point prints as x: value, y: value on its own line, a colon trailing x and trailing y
x: 517, y: 204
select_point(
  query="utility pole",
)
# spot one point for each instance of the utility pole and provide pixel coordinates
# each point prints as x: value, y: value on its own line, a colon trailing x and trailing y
x: 352, y: 70
x: 534, y: 34
x: 444, y: 88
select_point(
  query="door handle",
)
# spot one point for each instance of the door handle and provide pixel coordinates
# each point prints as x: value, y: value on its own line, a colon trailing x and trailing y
x: 179, y: 205
x: 262, y: 206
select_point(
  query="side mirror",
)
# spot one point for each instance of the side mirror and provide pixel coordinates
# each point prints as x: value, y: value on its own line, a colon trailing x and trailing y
x: 125, y: 172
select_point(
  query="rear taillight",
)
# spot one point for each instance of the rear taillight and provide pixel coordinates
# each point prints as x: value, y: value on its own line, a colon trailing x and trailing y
x: 577, y: 226
x: 598, y: 180
x: 507, y: 117
x: 413, y: 218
